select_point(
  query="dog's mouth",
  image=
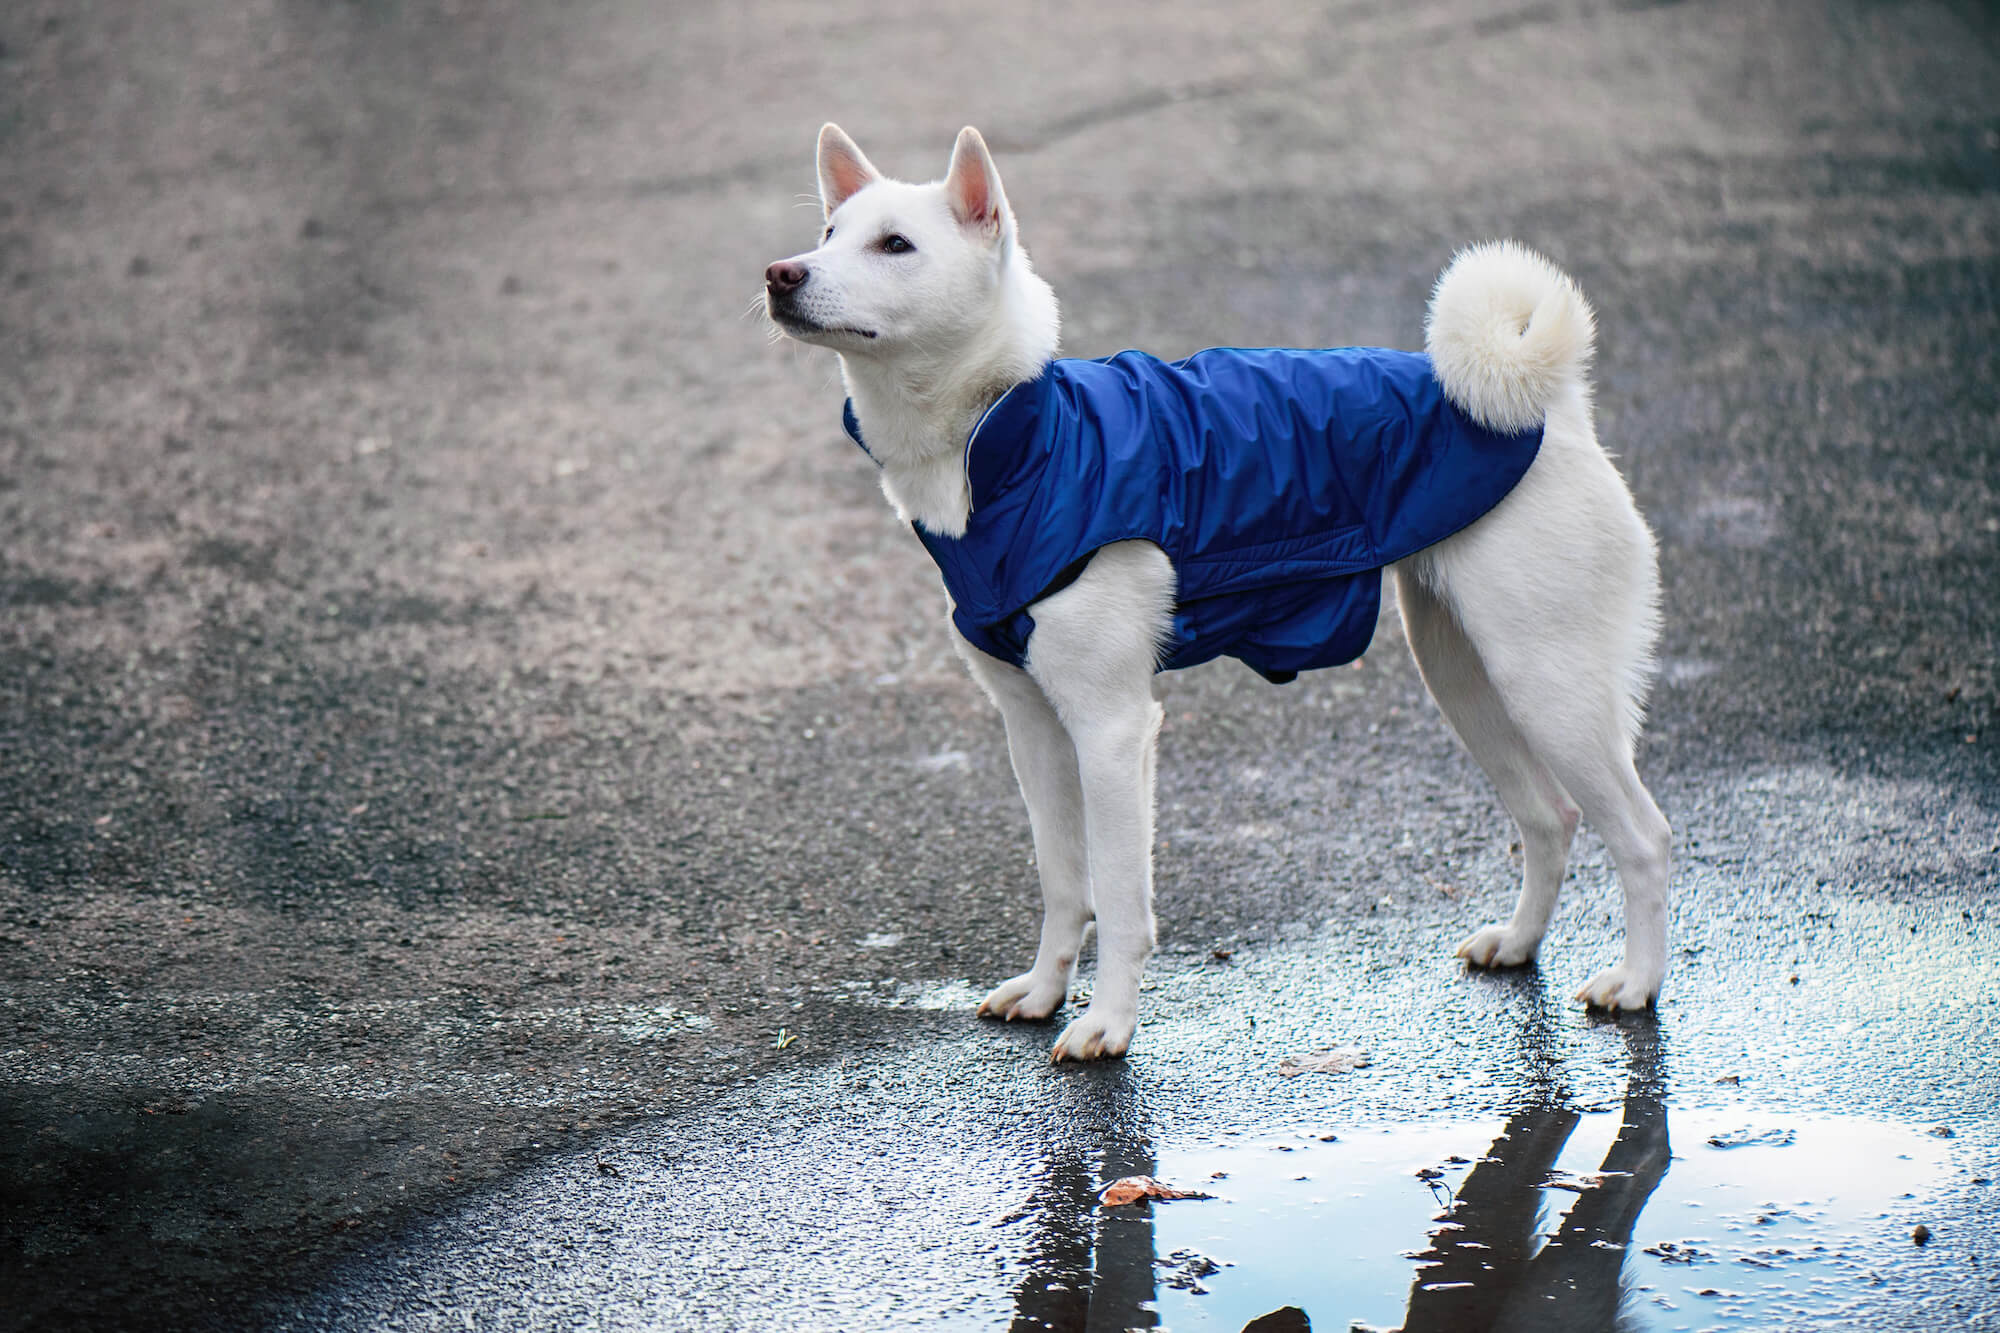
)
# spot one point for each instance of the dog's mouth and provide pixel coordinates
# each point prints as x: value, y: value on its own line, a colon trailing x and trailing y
x: 796, y: 324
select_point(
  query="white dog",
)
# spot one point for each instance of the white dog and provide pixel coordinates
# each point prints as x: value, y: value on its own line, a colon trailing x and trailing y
x: 1532, y: 620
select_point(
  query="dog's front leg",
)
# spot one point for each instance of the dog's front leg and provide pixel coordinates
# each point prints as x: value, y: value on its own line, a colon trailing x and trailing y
x: 1114, y: 759
x: 1045, y: 766
x: 1093, y: 652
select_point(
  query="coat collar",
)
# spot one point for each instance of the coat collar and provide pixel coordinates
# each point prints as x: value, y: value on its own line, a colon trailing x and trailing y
x: 1020, y: 410
x: 1005, y: 425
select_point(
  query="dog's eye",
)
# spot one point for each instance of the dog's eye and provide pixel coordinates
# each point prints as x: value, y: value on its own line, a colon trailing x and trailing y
x: 827, y: 237
x: 897, y: 245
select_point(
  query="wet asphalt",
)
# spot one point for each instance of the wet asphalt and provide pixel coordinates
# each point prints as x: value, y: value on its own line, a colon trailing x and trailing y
x: 492, y: 833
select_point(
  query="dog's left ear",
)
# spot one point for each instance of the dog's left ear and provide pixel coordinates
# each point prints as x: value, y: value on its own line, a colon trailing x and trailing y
x: 972, y: 187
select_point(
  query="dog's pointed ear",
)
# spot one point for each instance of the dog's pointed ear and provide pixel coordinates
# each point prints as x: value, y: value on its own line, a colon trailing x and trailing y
x: 843, y: 168
x: 972, y: 187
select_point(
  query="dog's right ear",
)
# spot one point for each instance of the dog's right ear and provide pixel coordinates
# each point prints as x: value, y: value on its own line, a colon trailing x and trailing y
x: 843, y: 169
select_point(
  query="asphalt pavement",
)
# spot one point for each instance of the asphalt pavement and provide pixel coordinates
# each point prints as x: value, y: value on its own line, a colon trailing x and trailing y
x: 493, y: 833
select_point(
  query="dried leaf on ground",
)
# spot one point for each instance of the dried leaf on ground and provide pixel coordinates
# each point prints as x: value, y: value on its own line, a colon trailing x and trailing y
x: 1325, y: 1060
x: 1134, y: 1188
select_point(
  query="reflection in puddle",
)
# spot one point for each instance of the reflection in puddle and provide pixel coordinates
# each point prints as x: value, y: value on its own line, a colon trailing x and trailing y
x: 914, y: 1193
x: 1558, y: 1217
x: 1754, y: 1238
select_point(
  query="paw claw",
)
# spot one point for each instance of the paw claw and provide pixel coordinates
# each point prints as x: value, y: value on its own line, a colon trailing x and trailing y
x: 1094, y: 1035
x: 1022, y: 999
x: 1620, y: 988
x: 1496, y: 946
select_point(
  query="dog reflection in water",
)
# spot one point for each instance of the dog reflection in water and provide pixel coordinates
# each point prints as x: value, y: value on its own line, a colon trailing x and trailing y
x: 1491, y: 1267
x: 1484, y: 1272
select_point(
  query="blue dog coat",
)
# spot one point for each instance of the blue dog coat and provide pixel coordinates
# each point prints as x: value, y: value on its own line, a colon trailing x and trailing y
x: 1280, y: 482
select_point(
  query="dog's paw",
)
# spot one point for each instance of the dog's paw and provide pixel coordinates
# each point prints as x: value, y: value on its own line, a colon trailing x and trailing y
x: 1025, y: 998
x: 1621, y: 987
x: 1096, y: 1034
x: 1497, y: 946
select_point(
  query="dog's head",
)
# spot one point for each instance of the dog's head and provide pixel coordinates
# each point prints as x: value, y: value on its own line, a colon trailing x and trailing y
x: 898, y: 266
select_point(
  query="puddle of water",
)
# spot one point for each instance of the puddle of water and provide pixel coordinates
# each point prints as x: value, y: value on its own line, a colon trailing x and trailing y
x: 1554, y: 1219
x: 961, y: 1192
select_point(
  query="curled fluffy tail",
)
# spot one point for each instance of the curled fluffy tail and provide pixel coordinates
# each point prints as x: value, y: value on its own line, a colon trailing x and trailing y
x: 1507, y: 332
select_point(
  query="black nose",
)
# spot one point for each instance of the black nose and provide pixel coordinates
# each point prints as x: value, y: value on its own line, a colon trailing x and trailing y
x: 785, y: 276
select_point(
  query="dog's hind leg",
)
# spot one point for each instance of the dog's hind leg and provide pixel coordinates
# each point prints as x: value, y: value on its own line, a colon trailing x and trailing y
x: 1594, y: 764
x: 1541, y: 808
x: 1573, y: 720
x: 1045, y: 766
x: 1556, y: 591
x: 1623, y: 812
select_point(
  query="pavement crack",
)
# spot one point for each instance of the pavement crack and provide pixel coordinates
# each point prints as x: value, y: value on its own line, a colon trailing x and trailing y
x: 1124, y: 108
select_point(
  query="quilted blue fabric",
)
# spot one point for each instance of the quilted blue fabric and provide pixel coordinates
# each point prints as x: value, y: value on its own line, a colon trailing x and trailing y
x: 1279, y: 481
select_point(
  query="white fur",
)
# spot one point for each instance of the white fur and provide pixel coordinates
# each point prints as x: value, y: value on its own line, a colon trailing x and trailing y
x: 956, y: 323
x: 1533, y: 627
x: 1507, y: 331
